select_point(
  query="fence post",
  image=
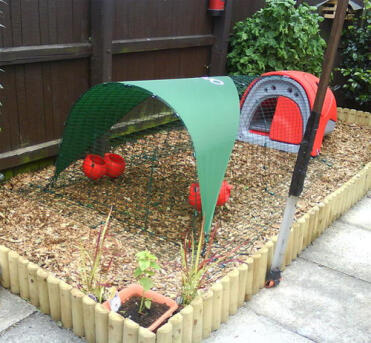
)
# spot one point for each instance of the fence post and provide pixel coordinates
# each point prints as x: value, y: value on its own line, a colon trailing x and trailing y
x: 101, y: 39
x: 222, y: 27
x: 101, y: 16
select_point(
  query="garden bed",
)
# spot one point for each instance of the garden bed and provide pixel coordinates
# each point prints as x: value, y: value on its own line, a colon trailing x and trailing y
x: 48, y: 228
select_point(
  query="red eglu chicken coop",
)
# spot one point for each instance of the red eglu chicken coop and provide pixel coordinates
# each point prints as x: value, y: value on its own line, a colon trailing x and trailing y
x: 275, y: 109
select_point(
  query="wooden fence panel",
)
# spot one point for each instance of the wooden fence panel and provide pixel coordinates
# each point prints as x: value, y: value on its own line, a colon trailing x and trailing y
x: 243, y: 9
x: 35, y: 22
x: 162, y: 18
x: 163, y: 64
x: 50, y: 60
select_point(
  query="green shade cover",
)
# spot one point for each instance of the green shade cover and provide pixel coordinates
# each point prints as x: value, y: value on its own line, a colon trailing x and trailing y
x: 209, y: 108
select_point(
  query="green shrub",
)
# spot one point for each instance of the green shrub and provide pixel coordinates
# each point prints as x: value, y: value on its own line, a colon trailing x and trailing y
x: 356, y: 65
x: 280, y: 36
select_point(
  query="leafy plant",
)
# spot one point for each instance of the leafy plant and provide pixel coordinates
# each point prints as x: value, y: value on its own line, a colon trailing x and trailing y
x: 95, y: 264
x: 277, y: 37
x: 197, y: 261
x: 356, y: 64
x: 147, y: 265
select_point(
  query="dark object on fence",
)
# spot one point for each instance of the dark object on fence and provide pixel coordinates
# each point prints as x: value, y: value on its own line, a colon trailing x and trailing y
x: 216, y: 7
x: 275, y: 109
x: 306, y: 146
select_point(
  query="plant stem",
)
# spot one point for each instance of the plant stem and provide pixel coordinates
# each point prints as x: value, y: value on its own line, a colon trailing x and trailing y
x: 141, y: 304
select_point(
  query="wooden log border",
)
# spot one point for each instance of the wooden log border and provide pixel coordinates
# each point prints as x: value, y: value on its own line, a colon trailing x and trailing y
x: 196, y: 321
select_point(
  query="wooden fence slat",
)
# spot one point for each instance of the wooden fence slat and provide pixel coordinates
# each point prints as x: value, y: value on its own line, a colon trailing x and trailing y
x: 217, y: 289
x: 233, y: 291
x: 197, y: 305
x: 187, y: 314
x: 13, y: 272
x: 130, y: 331
x: 207, y: 316
x: 255, y: 283
x: 225, y: 298
x: 115, y: 327
x: 32, y: 284
x: 250, y: 278
x: 66, y: 304
x: 77, y: 312
x: 101, y: 324
x: 164, y: 334
x: 23, y: 278
x: 42, y: 276
x: 242, y: 270
x: 88, y: 308
x: 54, y: 297
x: 176, y: 322
x: 146, y: 336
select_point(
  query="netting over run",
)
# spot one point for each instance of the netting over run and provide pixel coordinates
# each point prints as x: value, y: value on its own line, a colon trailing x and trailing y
x: 195, y: 106
x: 152, y: 193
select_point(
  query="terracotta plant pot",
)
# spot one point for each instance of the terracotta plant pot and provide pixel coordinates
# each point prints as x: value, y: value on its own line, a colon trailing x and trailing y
x: 194, y: 197
x: 137, y: 290
x: 94, y: 166
x: 115, y: 165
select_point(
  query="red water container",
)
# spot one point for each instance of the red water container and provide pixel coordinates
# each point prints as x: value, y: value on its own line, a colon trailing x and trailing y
x: 94, y: 166
x: 216, y: 7
x: 115, y: 165
x: 194, y: 197
x: 224, y: 194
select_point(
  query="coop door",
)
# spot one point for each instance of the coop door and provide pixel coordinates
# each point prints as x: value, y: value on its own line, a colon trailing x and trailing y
x: 287, y: 124
x: 262, y: 119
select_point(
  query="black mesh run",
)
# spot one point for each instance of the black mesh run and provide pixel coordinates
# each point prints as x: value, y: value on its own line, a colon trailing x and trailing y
x: 152, y: 193
x: 242, y: 82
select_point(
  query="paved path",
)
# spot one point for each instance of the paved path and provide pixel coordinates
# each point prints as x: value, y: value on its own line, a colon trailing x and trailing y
x: 325, y: 296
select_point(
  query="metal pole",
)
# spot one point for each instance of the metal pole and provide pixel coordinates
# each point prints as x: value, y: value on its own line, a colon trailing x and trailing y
x: 302, y: 161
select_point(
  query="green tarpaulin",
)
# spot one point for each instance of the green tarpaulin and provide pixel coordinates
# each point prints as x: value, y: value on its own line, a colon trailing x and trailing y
x: 209, y: 108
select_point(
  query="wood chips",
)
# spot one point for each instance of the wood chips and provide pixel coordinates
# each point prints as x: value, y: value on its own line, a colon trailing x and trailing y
x: 150, y: 204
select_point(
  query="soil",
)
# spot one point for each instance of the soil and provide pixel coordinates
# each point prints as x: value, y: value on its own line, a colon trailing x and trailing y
x: 130, y: 310
x: 151, y: 210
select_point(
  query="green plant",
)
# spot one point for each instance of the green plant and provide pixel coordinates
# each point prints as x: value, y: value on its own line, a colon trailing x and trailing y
x: 197, y: 260
x: 95, y: 264
x: 277, y: 37
x: 356, y: 64
x: 147, y: 265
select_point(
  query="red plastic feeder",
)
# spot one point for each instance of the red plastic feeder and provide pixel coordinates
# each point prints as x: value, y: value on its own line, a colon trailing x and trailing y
x: 94, y: 166
x: 194, y: 197
x: 225, y: 193
x: 115, y: 165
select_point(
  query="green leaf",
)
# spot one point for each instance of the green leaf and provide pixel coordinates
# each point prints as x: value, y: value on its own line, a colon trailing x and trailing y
x: 144, y: 264
x: 262, y: 42
x: 146, y: 283
x: 148, y: 303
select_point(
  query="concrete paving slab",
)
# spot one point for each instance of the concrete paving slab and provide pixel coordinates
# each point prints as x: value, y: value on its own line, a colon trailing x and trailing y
x: 343, y: 248
x: 38, y: 328
x: 318, y: 303
x: 360, y: 214
x: 12, y: 309
x: 247, y: 326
